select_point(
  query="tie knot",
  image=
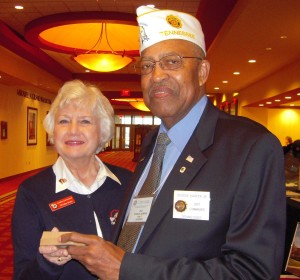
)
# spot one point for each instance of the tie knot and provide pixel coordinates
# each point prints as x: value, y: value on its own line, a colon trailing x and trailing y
x: 163, y: 139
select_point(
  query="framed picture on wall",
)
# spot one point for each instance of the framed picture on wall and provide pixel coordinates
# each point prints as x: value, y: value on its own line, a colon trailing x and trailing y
x: 32, y: 115
x: 3, y: 130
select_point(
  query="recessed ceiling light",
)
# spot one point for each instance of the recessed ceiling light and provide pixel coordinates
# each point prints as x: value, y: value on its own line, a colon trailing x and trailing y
x: 269, y: 102
x: 19, y: 7
x: 283, y: 37
x: 251, y: 60
x: 261, y: 105
x: 87, y: 70
x: 236, y: 73
x: 277, y: 100
x: 225, y: 82
x: 298, y: 93
x: 268, y: 49
x: 292, y: 104
x: 216, y: 88
x: 288, y: 97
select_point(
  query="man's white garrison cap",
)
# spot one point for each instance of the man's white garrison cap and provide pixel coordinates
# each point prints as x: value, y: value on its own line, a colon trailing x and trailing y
x: 159, y: 25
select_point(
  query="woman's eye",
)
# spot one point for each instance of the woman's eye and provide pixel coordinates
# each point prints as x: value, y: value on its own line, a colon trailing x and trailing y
x: 85, y: 121
x: 63, y: 121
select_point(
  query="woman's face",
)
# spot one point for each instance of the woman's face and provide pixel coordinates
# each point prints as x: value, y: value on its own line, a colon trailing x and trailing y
x: 76, y: 133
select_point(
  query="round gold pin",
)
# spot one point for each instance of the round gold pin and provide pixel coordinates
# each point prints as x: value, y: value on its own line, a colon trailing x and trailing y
x: 180, y: 205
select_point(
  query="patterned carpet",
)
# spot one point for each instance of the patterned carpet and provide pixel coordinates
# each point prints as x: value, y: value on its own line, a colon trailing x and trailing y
x: 8, y: 189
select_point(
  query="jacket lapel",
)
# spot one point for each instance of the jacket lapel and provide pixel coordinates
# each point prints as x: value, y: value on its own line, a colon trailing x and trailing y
x: 186, y: 168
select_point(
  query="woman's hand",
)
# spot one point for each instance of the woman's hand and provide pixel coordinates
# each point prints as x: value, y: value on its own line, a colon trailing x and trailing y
x: 55, y: 254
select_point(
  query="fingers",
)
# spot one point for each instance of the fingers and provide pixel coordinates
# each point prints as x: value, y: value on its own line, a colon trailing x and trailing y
x: 62, y: 260
x: 79, y: 238
x: 53, y: 250
x: 58, y: 260
x: 47, y: 249
x: 56, y: 257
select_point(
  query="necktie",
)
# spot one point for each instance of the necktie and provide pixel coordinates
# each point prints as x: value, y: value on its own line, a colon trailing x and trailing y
x: 130, y: 232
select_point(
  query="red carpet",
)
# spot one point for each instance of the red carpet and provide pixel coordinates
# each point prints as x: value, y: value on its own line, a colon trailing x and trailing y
x: 8, y: 190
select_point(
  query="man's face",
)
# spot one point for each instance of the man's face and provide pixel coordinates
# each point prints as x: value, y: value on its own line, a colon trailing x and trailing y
x: 170, y: 94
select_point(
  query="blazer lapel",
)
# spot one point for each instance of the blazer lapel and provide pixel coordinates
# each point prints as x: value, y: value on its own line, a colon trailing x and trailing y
x: 185, y: 169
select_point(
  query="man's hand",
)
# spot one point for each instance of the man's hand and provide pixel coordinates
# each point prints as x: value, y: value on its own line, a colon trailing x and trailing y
x: 100, y: 257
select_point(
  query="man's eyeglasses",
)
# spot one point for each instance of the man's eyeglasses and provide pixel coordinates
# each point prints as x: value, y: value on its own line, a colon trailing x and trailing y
x: 169, y: 62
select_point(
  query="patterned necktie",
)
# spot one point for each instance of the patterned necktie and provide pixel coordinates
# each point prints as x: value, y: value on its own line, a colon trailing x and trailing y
x: 130, y: 231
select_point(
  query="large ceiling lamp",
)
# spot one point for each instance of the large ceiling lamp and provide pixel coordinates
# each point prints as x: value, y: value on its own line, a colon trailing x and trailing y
x: 102, y: 62
x: 99, y: 61
x: 99, y: 41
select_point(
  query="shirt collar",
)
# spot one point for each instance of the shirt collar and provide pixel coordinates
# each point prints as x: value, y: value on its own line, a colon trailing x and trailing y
x: 66, y: 180
x: 181, y: 132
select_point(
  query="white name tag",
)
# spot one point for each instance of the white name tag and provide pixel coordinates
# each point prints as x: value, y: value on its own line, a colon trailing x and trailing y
x: 140, y: 209
x: 193, y: 205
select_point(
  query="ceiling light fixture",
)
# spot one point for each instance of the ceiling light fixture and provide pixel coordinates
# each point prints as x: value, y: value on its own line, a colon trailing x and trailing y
x: 99, y: 61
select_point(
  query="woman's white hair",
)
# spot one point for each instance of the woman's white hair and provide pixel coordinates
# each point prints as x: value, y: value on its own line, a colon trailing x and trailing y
x: 83, y: 95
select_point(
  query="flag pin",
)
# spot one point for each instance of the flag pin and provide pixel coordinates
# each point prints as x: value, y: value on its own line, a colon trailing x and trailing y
x: 190, y: 159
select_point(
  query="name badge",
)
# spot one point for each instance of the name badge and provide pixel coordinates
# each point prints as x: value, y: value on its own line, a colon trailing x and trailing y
x: 140, y: 209
x: 193, y: 205
x: 62, y: 203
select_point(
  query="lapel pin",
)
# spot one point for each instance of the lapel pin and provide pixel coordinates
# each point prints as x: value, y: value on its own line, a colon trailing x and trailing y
x: 190, y: 159
x: 182, y: 169
x: 62, y: 180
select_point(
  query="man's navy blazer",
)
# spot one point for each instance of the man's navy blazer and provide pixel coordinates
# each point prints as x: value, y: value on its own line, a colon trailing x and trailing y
x: 240, y: 163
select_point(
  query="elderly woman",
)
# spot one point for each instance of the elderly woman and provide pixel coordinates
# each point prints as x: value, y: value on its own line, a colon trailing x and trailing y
x: 78, y: 193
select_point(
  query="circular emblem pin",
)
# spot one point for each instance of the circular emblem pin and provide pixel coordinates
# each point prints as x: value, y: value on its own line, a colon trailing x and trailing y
x: 174, y: 21
x: 180, y: 205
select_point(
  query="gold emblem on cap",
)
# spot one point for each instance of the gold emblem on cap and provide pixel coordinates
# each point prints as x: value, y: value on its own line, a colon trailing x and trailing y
x: 174, y: 21
x: 180, y: 205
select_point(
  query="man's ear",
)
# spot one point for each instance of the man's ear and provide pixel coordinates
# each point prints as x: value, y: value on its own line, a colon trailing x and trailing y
x: 203, y: 71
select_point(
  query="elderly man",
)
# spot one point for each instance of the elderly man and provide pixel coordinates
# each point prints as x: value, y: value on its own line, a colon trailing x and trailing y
x: 210, y: 213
